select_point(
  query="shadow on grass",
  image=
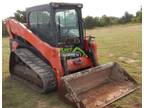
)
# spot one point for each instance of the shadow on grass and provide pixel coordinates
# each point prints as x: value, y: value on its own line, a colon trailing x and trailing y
x: 18, y: 95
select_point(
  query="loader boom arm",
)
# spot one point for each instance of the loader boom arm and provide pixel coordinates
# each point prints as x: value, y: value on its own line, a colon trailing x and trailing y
x: 52, y: 54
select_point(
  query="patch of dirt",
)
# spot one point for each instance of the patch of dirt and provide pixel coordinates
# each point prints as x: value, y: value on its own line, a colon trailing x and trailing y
x: 128, y: 60
x: 138, y: 67
x: 135, y: 54
x: 110, y: 55
x: 4, y: 97
x: 136, y: 106
x: 41, y: 104
x: 112, y: 106
x: 132, y: 61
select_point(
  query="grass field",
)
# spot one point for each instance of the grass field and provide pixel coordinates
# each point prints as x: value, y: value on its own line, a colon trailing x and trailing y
x: 117, y: 43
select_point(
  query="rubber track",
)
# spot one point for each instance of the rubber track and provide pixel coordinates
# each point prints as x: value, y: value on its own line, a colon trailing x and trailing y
x: 43, y: 70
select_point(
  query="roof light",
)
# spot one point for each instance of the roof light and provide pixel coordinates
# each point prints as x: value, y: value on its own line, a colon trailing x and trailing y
x: 79, y: 5
x: 55, y: 5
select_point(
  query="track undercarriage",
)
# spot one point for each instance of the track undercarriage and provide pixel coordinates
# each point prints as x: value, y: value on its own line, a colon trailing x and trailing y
x: 31, y: 70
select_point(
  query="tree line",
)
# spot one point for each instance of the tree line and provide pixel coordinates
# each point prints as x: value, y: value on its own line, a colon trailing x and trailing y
x: 92, y: 22
x: 18, y: 15
x: 89, y: 21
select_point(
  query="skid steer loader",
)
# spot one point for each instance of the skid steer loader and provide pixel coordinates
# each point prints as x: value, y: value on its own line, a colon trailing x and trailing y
x: 51, y: 52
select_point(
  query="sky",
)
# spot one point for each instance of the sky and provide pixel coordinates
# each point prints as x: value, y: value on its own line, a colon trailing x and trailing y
x: 90, y: 7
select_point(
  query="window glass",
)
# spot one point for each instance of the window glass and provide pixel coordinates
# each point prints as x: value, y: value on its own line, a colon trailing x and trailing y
x: 33, y: 18
x: 40, y: 24
x: 39, y: 17
x: 67, y: 22
x: 43, y: 17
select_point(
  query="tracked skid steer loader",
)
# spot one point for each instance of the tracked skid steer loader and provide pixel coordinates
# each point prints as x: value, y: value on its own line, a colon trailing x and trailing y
x: 51, y: 52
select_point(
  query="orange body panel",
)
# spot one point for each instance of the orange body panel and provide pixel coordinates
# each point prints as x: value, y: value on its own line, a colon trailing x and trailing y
x: 94, y: 47
x: 14, y: 45
x: 85, y: 63
x: 52, y: 54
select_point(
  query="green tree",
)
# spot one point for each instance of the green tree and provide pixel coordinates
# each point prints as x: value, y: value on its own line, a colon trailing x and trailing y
x: 126, y: 18
x: 89, y: 22
x: 114, y: 20
x: 106, y: 20
x: 20, y: 16
x: 139, y: 15
x: 4, y: 31
x: 97, y: 21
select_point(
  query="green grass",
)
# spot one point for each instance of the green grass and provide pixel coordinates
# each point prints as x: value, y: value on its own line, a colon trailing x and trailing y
x: 117, y: 43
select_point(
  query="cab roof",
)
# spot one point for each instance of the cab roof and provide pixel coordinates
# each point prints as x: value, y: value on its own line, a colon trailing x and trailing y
x: 53, y: 4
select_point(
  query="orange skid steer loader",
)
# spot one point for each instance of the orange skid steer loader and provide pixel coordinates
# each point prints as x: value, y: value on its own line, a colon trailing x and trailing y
x: 51, y: 52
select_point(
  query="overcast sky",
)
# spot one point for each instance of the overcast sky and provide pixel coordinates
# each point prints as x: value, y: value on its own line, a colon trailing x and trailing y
x: 91, y: 7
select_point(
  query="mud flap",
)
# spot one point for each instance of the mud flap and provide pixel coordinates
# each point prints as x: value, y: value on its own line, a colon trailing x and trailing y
x: 96, y: 87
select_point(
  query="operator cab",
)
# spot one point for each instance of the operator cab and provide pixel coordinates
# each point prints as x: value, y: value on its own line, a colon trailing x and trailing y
x: 58, y: 24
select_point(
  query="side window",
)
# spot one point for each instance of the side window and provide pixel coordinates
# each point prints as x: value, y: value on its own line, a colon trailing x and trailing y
x: 33, y: 18
x: 43, y: 17
x: 40, y: 23
x: 39, y: 17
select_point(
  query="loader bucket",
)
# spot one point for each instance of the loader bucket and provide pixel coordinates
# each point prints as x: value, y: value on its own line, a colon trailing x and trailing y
x: 96, y: 87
